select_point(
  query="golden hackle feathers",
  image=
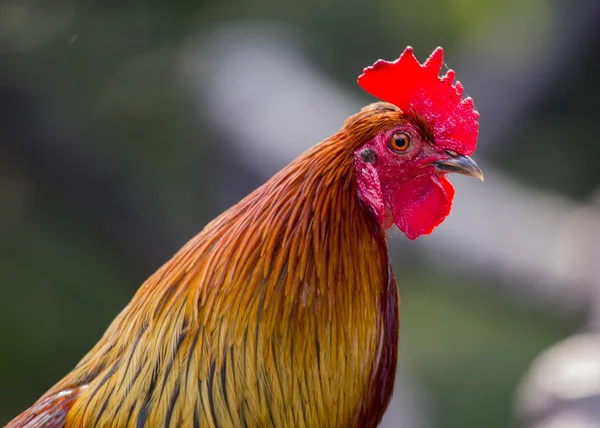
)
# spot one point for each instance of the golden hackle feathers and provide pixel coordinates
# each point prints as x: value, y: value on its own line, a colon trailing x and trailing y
x: 271, y: 316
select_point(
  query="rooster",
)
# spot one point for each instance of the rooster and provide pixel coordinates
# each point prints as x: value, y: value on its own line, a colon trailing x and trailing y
x: 283, y: 311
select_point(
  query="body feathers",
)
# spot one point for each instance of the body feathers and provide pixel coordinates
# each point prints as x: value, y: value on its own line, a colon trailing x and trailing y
x: 283, y: 311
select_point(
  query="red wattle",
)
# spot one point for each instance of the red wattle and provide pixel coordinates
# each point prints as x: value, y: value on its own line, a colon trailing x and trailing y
x: 422, y: 203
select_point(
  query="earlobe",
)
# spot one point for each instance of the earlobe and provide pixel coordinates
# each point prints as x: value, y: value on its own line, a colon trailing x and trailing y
x: 368, y: 155
x: 369, y: 186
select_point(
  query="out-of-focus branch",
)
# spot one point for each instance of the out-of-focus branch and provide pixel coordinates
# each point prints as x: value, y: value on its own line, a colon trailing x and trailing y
x: 538, y: 245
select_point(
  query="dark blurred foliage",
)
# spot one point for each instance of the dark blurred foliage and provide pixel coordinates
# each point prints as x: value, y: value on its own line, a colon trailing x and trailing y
x: 106, y: 168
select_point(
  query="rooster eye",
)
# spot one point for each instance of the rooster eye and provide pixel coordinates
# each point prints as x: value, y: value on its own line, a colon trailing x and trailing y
x: 400, y: 141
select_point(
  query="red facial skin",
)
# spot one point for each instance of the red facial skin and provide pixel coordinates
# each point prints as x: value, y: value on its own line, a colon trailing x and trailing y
x: 404, y: 187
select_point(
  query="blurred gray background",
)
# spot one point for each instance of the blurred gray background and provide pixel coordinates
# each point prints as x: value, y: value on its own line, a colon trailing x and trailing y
x: 127, y: 126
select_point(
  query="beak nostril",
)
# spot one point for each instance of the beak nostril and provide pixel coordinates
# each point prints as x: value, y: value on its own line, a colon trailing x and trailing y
x: 451, y: 153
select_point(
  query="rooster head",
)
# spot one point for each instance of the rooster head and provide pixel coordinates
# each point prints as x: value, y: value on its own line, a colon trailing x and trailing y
x: 401, y: 171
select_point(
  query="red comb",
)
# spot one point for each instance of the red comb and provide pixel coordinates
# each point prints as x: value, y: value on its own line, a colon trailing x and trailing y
x: 419, y: 88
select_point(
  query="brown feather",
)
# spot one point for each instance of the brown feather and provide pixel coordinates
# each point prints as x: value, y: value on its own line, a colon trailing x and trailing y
x: 282, y: 311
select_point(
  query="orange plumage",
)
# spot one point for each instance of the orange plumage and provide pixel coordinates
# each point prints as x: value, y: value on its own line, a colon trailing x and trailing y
x: 283, y: 311
x: 270, y: 316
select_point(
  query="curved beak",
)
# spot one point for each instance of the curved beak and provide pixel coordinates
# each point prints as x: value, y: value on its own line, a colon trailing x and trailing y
x: 460, y: 164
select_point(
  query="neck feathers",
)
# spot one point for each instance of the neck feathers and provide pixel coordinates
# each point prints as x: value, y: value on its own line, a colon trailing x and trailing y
x: 289, y: 282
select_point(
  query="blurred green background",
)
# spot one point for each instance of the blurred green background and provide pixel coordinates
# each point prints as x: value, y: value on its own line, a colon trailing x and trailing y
x: 108, y: 166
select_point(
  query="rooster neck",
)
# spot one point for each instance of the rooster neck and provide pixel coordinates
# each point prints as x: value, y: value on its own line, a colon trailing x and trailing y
x: 327, y: 265
x: 310, y: 221
x: 320, y: 282
x: 284, y: 302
